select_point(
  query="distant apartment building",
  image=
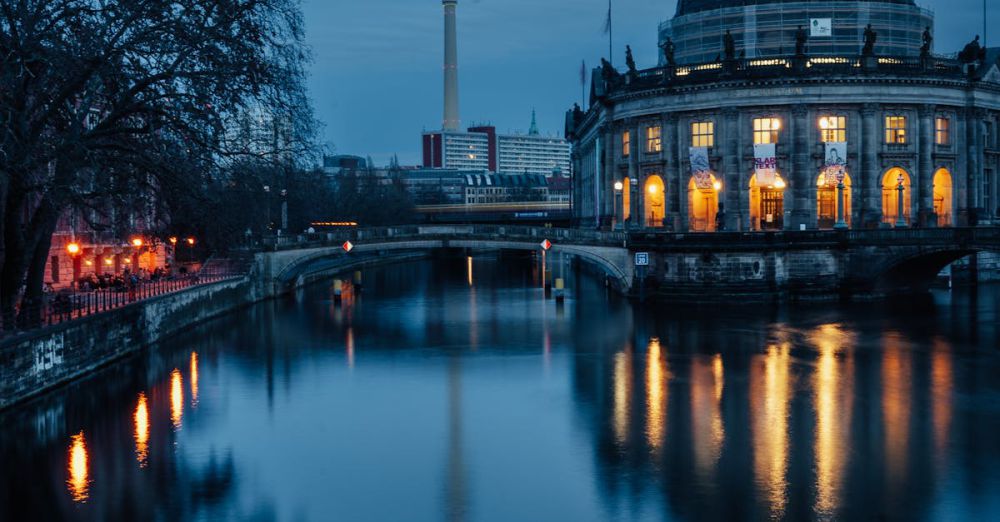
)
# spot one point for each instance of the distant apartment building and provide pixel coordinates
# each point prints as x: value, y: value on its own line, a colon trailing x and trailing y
x: 481, y: 148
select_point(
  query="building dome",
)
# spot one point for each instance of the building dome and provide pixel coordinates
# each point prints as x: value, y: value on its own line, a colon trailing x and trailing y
x: 766, y: 28
x: 685, y: 7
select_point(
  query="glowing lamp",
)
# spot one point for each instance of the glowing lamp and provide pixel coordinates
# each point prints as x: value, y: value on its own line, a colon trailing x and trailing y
x: 137, y: 242
x: 190, y: 241
x: 653, y: 189
x: 108, y: 261
x: 618, y: 186
x: 173, y: 240
x: 717, y: 185
x: 73, y: 248
x: 779, y: 183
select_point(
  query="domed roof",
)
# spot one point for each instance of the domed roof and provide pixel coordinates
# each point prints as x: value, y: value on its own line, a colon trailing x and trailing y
x: 685, y: 7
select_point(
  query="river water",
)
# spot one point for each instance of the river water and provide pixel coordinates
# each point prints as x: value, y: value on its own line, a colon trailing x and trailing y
x: 453, y: 390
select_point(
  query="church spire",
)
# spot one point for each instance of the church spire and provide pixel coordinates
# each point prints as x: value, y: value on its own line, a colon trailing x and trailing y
x: 533, y: 131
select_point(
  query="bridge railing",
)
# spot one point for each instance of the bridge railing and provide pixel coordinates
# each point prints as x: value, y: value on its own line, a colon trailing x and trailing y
x: 975, y: 236
x: 416, y: 232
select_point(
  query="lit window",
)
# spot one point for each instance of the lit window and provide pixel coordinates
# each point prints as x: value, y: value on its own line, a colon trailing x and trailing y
x: 895, y: 129
x: 765, y: 130
x: 942, y: 131
x: 626, y: 143
x: 653, y: 141
x: 833, y: 129
x: 703, y: 134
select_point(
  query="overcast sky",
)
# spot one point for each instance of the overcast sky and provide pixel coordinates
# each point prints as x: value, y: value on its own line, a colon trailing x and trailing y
x: 376, y: 78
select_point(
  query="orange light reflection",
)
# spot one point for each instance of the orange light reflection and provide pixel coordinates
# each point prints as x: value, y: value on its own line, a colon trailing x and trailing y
x: 79, y: 482
x: 176, y: 397
x: 141, y: 417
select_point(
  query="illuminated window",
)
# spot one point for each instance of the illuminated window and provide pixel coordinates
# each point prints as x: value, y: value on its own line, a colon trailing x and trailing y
x: 654, y: 143
x: 765, y: 130
x: 703, y: 134
x: 942, y: 131
x: 833, y: 129
x: 895, y: 129
x: 626, y: 143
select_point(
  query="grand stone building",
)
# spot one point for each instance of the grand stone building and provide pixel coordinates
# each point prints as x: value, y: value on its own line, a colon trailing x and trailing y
x: 918, y: 133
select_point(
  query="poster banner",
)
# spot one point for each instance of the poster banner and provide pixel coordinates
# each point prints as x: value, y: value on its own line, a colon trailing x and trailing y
x: 765, y: 165
x: 820, y: 27
x: 700, y: 168
x: 835, y: 162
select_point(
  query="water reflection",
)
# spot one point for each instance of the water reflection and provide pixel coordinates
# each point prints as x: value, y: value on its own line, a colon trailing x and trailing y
x: 656, y: 388
x: 194, y: 379
x: 176, y: 398
x: 770, y: 389
x: 78, y: 467
x: 832, y: 384
x: 141, y: 418
x: 603, y: 411
x: 623, y: 394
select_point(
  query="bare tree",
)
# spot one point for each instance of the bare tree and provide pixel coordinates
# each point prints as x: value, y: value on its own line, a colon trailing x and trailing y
x: 102, y: 101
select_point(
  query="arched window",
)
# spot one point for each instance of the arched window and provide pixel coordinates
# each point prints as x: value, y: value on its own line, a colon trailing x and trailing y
x: 767, y: 204
x: 703, y: 205
x: 655, y: 201
x: 943, y: 197
x: 890, y: 195
x: 826, y: 201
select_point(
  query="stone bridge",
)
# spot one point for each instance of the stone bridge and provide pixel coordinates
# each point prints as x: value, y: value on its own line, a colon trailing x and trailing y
x: 682, y: 266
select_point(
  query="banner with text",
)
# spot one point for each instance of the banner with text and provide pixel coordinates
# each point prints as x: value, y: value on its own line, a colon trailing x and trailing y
x: 820, y: 27
x: 700, y: 168
x: 765, y: 164
x: 835, y: 162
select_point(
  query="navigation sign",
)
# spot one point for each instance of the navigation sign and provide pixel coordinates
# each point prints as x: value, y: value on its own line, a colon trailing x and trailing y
x: 347, y: 246
x: 642, y: 259
x: 546, y: 244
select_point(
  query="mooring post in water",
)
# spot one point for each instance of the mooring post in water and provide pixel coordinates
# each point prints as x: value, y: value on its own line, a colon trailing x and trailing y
x: 357, y: 280
x: 560, y: 291
x: 338, y: 290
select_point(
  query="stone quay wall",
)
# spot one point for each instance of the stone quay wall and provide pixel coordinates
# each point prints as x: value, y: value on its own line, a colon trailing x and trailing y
x: 39, y: 360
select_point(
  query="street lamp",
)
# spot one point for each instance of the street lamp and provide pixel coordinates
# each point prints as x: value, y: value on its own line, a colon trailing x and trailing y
x: 841, y: 223
x: 618, y: 202
x: 137, y: 242
x: 73, y: 248
x: 900, y: 221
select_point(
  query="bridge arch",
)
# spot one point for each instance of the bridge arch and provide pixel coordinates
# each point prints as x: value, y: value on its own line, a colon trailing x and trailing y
x: 290, y: 269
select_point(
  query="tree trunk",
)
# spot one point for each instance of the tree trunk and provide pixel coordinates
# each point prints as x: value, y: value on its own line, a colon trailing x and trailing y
x: 31, y: 314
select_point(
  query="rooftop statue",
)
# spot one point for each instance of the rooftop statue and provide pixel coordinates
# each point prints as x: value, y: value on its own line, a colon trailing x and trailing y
x: 800, y: 41
x: 629, y: 60
x: 608, y: 71
x: 972, y: 51
x: 729, y: 45
x: 668, y: 51
x: 870, y: 38
x: 925, y: 49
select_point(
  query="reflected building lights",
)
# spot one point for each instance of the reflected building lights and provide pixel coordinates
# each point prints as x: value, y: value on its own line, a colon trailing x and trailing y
x: 896, y: 374
x: 656, y: 391
x: 194, y: 380
x: 707, y: 427
x: 942, y: 381
x: 832, y: 401
x: 79, y: 481
x: 141, y: 418
x: 350, y: 347
x: 769, y: 391
x: 176, y: 397
x: 468, y: 269
x: 622, y: 394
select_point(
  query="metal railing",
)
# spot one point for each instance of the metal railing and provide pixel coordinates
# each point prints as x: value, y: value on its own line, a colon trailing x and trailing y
x: 67, y: 305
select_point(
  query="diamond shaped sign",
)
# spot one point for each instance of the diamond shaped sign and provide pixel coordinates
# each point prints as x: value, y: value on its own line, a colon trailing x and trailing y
x: 546, y: 244
x: 347, y: 246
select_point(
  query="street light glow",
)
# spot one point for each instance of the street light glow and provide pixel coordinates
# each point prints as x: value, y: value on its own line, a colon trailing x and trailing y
x: 190, y: 241
x: 73, y: 248
x: 618, y: 185
x: 137, y: 242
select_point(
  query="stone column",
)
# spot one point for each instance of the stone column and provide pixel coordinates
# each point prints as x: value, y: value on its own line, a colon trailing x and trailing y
x: 680, y: 158
x: 632, y: 170
x: 871, y: 185
x: 974, y: 124
x: 606, y: 186
x: 636, y: 178
x: 802, y: 212
x: 730, y: 169
x: 925, y: 170
x: 671, y: 174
